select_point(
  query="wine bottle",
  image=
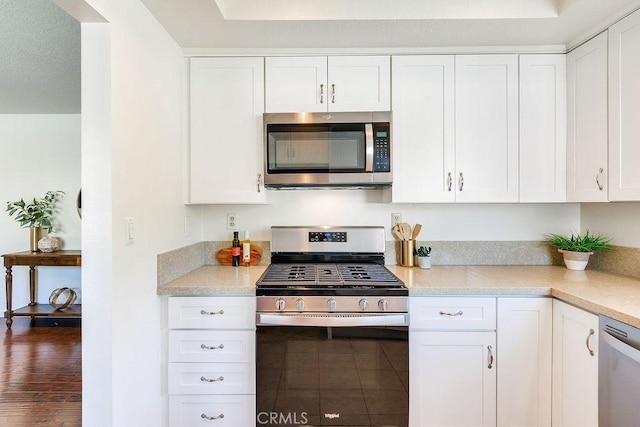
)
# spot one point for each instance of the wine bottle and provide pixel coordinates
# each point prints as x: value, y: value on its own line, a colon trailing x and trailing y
x: 235, y: 250
x: 246, y: 249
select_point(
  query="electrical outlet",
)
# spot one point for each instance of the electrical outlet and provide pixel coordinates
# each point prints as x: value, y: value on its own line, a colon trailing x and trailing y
x: 396, y: 218
x: 232, y: 221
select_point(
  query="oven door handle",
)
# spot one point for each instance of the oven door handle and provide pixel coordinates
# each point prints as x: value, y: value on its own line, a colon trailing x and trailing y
x: 329, y: 320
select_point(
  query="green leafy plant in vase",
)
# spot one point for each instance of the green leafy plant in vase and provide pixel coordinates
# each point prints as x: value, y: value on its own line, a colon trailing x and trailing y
x: 36, y: 215
x: 422, y: 257
x: 576, y: 249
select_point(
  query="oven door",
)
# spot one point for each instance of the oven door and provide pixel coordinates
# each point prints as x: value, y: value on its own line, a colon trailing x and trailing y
x: 338, y: 376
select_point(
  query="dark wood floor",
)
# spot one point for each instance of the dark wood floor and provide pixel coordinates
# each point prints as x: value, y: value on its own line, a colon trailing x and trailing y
x: 41, y: 383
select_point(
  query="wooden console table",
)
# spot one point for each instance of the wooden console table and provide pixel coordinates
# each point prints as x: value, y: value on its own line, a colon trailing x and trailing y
x: 32, y: 260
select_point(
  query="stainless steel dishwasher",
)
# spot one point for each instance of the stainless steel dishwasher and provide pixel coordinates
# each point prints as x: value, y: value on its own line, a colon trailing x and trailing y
x: 619, y: 374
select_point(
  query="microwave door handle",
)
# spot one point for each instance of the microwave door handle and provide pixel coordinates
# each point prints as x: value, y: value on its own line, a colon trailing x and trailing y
x: 368, y: 138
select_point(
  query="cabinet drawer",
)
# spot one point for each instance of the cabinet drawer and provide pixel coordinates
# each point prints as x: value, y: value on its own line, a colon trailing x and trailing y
x: 212, y: 312
x: 452, y: 313
x: 232, y: 411
x: 212, y: 346
x: 212, y: 378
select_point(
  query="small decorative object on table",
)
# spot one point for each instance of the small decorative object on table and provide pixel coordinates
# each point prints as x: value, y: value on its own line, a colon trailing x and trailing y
x: 36, y: 215
x: 48, y: 244
x: 423, y: 258
x: 62, y: 298
x: 577, y: 249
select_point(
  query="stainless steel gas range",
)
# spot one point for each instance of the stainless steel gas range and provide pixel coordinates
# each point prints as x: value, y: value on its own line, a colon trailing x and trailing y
x: 332, y: 346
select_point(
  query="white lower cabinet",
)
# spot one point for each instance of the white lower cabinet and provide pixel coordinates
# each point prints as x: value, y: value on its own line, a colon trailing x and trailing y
x: 452, y: 360
x: 480, y: 361
x: 211, y: 370
x: 575, y: 366
x: 524, y: 370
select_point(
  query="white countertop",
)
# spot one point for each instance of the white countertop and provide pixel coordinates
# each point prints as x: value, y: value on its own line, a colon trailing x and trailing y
x: 600, y: 293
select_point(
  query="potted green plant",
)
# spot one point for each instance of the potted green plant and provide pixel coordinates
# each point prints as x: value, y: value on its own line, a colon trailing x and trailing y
x: 36, y: 215
x: 576, y: 249
x: 422, y: 257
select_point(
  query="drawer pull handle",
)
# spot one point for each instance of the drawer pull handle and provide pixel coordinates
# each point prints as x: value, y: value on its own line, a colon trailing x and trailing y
x: 458, y: 313
x: 490, y: 354
x: 211, y: 313
x: 208, y: 347
x: 211, y: 380
x: 591, y: 333
x: 206, y: 417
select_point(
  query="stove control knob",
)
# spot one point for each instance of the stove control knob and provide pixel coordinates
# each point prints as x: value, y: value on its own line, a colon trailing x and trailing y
x: 331, y: 304
x: 300, y: 304
x: 280, y: 303
x: 364, y: 304
x: 383, y: 304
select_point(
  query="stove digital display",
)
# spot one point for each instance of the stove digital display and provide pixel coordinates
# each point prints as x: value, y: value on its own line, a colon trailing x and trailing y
x: 328, y: 236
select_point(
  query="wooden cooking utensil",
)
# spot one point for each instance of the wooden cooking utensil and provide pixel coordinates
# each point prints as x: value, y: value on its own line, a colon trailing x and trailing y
x: 405, y: 230
x: 416, y: 231
x: 395, y: 230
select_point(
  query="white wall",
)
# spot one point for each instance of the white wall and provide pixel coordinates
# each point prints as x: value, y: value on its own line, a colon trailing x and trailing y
x: 441, y: 222
x: 133, y: 75
x: 40, y: 152
x: 619, y: 221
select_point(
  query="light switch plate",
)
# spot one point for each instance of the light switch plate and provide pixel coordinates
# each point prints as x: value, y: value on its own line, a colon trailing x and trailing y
x: 129, y: 231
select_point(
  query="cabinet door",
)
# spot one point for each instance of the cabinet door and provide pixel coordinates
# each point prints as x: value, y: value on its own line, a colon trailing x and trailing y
x: 423, y: 128
x: 296, y: 84
x: 587, y: 121
x: 575, y: 367
x: 227, y: 103
x: 453, y: 379
x: 543, y: 124
x: 524, y: 377
x: 624, y: 108
x: 359, y: 83
x: 486, y: 128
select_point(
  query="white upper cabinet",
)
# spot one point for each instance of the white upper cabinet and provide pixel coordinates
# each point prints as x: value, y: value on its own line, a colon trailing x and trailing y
x: 543, y: 167
x: 486, y: 125
x: 587, y: 121
x: 334, y: 83
x: 624, y: 108
x: 225, y: 151
x: 423, y: 128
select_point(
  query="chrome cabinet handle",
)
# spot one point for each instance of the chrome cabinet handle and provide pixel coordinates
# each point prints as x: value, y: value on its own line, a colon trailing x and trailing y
x: 259, y: 182
x: 211, y: 380
x: 211, y: 313
x: 588, y: 343
x: 460, y: 181
x: 208, y: 347
x: 206, y: 417
x: 458, y: 313
x: 490, y: 355
x: 333, y: 93
x: 600, y: 187
x: 449, y: 181
x: 322, y: 94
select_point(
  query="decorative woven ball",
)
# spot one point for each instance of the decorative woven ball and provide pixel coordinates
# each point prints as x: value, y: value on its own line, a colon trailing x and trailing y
x: 62, y: 298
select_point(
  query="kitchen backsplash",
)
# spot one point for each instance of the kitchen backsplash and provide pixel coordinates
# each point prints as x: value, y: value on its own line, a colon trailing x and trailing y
x: 623, y: 260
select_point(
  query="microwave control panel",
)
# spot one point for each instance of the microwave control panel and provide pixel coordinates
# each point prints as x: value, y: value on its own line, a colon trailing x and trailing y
x: 381, y: 148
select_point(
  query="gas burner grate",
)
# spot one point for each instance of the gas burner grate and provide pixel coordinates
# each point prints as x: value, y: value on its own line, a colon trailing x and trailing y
x: 293, y: 276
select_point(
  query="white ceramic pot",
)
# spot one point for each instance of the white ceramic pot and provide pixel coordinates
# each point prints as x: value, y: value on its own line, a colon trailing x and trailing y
x: 424, y: 262
x: 575, y: 260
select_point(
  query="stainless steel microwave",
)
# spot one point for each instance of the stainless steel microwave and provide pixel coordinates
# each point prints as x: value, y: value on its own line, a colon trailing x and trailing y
x: 327, y: 150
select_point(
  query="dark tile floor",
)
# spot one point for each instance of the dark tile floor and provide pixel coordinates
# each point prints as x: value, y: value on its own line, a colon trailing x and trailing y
x: 304, y: 378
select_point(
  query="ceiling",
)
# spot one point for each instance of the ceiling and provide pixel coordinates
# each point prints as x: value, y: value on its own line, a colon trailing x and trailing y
x: 275, y: 24
x: 39, y: 58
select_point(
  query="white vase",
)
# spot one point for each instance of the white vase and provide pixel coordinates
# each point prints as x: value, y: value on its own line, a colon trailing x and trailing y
x: 424, y: 262
x: 575, y: 260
